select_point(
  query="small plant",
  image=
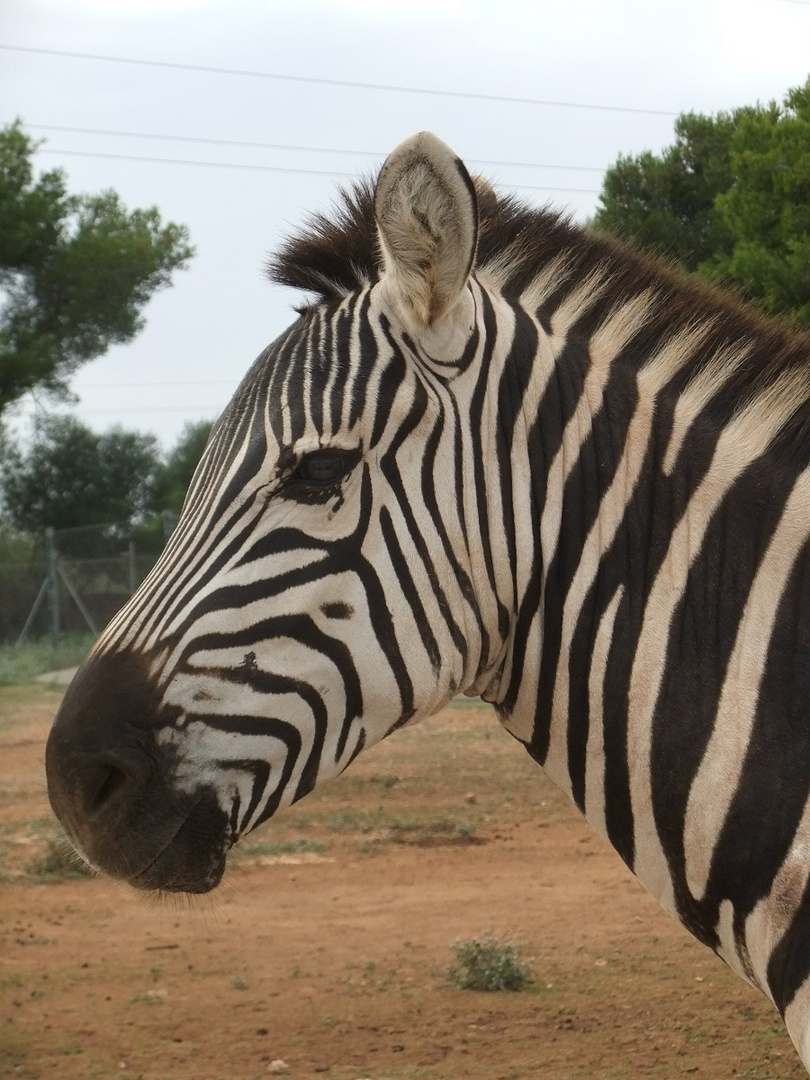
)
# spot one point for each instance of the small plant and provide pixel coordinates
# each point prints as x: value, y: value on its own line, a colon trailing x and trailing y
x: 22, y: 663
x: 297, y: 845
x: 485, y: 963
x: 431, y: 832
x: 150, y: 997
x: 58, y: 861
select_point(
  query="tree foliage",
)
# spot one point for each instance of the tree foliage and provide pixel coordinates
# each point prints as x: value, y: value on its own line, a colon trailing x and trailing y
x: 71, y: 476
x: 178, y: 468
x: 75, y: 271
x: 729, y: 200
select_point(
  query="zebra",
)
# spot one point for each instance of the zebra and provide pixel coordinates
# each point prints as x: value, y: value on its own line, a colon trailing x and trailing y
x: 498, y: 455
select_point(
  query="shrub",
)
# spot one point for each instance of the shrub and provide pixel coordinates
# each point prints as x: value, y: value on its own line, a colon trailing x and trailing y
x: 22, y: 663
x: 485, y: 963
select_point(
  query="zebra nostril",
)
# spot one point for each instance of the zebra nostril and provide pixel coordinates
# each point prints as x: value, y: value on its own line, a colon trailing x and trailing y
x: 114, y: 778
x: 110, y: 781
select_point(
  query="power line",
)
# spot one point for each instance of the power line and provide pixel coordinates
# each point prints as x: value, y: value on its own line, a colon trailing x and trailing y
x: 201, y: 164
x: 286, y: 147
x: 271, y: 168
x: 345, y: 83
x: 184, y: 382
x: 208, y: 410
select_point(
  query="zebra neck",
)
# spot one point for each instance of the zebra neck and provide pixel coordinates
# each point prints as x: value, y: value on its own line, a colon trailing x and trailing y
x: 635, y: 504
x: 581, y: 527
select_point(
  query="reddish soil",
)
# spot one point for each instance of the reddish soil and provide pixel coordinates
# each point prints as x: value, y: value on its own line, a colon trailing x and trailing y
x: 326, y: 947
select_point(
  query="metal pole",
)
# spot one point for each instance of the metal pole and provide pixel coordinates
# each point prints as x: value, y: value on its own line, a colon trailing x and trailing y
x: 32, y: 613
x: 53, y: 586
x: 79, y: 602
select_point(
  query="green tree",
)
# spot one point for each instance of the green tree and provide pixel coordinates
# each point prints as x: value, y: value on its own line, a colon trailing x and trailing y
x: 71, y: 476
x: 729, y: 200
x: 178, y: 468
x: 666, y: 203
x: 767, y: 208
x: 75, y: 271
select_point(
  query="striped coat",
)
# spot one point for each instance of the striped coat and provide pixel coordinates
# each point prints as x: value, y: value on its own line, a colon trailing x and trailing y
x: 494, y: 455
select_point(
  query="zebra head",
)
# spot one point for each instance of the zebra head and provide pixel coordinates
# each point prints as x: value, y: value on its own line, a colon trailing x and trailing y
x: 325, y: 584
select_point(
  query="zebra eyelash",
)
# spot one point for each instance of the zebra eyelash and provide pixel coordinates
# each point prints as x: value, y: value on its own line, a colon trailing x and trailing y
x: 323, y: 468
x: 317, y: 476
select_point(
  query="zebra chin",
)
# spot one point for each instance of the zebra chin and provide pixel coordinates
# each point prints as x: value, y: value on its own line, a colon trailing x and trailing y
x: 192, y: 862
x: 110, y: 785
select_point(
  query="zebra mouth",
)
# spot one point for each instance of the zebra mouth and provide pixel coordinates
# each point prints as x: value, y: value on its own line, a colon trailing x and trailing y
x: 193, y: 861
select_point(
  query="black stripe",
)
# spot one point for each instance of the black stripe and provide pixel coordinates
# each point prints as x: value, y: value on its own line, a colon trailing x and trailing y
x: 409, y: 590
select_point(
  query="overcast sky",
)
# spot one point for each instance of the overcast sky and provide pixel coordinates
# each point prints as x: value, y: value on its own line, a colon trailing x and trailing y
x: 539, y: 96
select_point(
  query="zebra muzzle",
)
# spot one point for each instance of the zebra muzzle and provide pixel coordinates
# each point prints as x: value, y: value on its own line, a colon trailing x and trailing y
x: 110, y: 786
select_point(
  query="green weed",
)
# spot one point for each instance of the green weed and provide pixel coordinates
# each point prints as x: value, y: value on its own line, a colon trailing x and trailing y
x: 297, y: 845
x: 402, y: 829
x: 485, y: 963
x: 433, y: 831
x: 22, y: 663
x: 151, y: 997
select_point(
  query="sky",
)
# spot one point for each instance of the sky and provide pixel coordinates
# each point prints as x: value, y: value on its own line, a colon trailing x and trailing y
x: 239, y: 118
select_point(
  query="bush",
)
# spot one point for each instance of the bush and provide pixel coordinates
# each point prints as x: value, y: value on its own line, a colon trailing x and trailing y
x: 485, y: 963
x: 22, y: 663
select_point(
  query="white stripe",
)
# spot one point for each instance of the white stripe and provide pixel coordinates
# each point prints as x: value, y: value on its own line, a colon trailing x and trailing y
x: 772, y: 916
x: 697, y: 395
x: 740, y: 443
x: 652, y: 378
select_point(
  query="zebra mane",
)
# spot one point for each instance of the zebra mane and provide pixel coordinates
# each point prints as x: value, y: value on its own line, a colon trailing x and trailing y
x: 541, y: 254
x: 332, y: 256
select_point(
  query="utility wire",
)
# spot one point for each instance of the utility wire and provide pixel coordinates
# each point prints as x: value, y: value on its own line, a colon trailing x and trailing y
x: 388, y: 88
x: 183, y: 382
x: 270, y: 168
x: 202, y: 164
x: 209, y: 410
x: 286, y: 146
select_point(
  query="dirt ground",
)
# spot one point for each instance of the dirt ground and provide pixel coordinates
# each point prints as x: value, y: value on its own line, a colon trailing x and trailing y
x: 324, y: 953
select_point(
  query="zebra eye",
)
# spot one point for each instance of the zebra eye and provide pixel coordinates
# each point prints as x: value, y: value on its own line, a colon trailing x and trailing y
x: 322, y: 467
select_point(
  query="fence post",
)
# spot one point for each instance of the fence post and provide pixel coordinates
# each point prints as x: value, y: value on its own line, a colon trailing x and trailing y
x: 52, y: 579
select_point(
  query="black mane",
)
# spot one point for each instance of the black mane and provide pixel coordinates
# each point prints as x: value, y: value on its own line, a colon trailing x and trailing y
x: 332, y: 256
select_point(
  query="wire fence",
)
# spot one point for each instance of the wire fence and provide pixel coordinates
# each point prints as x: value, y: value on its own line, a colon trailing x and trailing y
x: 74, y: 580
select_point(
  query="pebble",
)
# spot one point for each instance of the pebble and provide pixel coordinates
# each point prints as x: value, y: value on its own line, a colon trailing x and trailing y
x: 278, y: 1066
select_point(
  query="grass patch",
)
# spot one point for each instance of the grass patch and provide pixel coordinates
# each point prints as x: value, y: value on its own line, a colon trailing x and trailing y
x: 22, y: 663
x: 297, y: 845
x: 485, y: 963
x: 58, y: 862
x: 151, y: 997
x: 432, y: 832
x: 403, y: 828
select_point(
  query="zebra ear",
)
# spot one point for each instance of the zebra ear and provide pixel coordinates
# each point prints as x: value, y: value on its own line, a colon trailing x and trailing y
x: 427, y: 219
